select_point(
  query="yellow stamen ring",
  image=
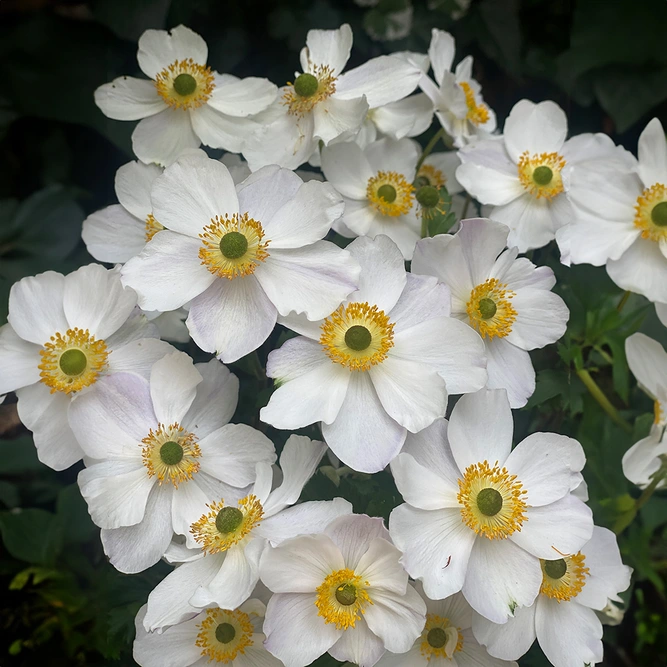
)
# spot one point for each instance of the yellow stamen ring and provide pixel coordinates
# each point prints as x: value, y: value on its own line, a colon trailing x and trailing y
x: 490, y: 309
x: 564, y: 578
x: 171, y: 453
x: 429, y: 175
x: 478, y: 114
x: 439, y: 638
x: 649, y: 213
x: 223, y: 634
x: 152, y: 227
x: 302, y: 96
x: 540, y: 174
x: 390, y: 194
x: 341, y: 598
x: 185, y: 84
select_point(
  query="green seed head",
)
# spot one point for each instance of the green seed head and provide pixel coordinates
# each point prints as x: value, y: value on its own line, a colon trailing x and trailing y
x: 489, y: 502
x: 543, y: 175
x: 233, y: 245
x: 436, y: 637
x: 73, y: 362
x: 171, y: 453
x: 428, y: 196
x: 306, y: 85
x: 358, y: 338
x: 487, y: 308
x: 228, y: 520
x: 185, y: 84
x: 420, y: 182
x: 225, y: 632
x: 555, y: 568
x: 346, y: 594
x: 387, y: 192
x: 659, y: 214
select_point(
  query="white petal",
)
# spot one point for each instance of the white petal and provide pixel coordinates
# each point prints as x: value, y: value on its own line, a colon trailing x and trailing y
x: 345, y: 166
x: 242, y: 97
x: 133, y: 184
x: 218, y: 130
x: 482, y: 240
x: 19, y: 361
x: 520, y: 273
x: 531, y: 221
x: 420, y: 487
x: 113, y: 235
x: 537, y: 128
x: 138, y: 356
x: 127, y: 98
x: 335, y: 117
x: 648, y: 362
x: 641, y: 461
x: 380, y: 566
x: 388, y: 155
x: 441, y: 53
x: 652, y: 153
x: 422, y: 299
x: 158, y: 49
x: 354, y: 534
x: 174, y: 381
x: 642, y: 269
x: 403, y: 230
x: 541, y: 318
x: 510, y: 368
x: 263, y: 193
x: 327, y: 47
x: 447, y: 163
x: 509, y: 640
x: 163, y: 137
x: 358, y: 645
x: 408, y: 117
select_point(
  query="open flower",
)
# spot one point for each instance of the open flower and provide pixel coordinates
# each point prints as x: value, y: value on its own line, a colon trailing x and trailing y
x: 229, y: 636
x: 478, y: 517
x: 457, y: 97
x: 66, y: 335
x: 621, y: 216
x: 375, y: 368
x: 563, y: 617
x: 507, y: 300
x: 524, y: 173
x: 184, y: 103
x: 232, y: 534
x: 162, y: 450
x: 241, y: 255
x: 323, y: 104
x: 343, y: 591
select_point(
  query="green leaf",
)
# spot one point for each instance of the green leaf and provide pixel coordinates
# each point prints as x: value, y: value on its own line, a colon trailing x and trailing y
x: 18, y: 456
x: 32, y: 535
x: 73, y: 513
x: 501, y: 20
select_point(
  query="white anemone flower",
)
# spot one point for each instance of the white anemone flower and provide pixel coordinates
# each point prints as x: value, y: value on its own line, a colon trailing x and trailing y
x: 478, y: 515
x: 446, y: 640
x: 183, y: 103
x: 240, y: 256
x: 66, y: 335
x: 229, y: 636
x: 563, y: 618
x: 457, y: 97
x: 648, y: 362
x: 377, y: 186
x: 506, y: 300
x: 621, y: 217
x: 161, y: 450
x: 525, y: 173
x: 324, y: 104
x: 233, y: 533
x: 343, y: 591
x: 376, y: 367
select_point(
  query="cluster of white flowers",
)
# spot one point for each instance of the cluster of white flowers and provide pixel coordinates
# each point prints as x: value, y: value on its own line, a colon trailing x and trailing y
x: 494, y: 546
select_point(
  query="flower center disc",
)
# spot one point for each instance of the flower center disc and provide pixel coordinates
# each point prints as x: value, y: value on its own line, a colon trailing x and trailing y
x: 185, y: 84
x: 564, y: 578
x: 490, y: 309
x: 437, y: 637
x: 651, y: 213
x: 73, y: 362
x: 440, y: 639
x: 224, y: 634
x: 309, y: 89
x: 341, y: 598
x: 390, y: 194
x: 171, y: 453
x: 540, y: 174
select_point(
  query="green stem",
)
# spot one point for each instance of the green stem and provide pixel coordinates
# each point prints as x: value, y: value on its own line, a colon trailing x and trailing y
x: 623, y: 301
x: 424, y: 227
x: 604, y: 402
x: 627, y: 517
x: 440, y: 134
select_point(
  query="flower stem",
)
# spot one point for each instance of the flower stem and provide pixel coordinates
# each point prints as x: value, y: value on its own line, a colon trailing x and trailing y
x: 604, y: 402
x: 627, y: 517
x: 623, y: 301
x: 424, y: 227
x: 440, y: 134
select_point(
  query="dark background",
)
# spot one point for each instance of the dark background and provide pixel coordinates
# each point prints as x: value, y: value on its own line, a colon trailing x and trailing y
x: 604, y: 62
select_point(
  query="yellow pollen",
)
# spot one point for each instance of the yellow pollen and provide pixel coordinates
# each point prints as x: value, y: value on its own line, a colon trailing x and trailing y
x: 328, y: 603
x: 54, y: 376
x: 646, y: 202
x: 433, y: 176
x: 404, y: 193
x: 501, y: 321
x: 212, y: 647
x: 202, y: 75
x: 175, y: 473
x: 510, y: 516
x: 570, y: 584
x: 326, y: 86
x: 534, y: 184
x: 225, y: 267
x: 449, y: 641
x: 212, y: 541
x: 152, y: 227
x: 371, y: 318
x: 659, y: 413
x: 478, y: 114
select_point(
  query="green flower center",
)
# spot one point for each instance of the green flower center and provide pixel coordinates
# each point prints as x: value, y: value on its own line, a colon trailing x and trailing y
x: 428, y: 196
x: 73, y: 362
x: 555, y: 568
x: 436, y: 637
x: 233, y: 245
x: 487, y: 308
x: 659, y: 214
x: 489, y: 502
x: 171, y: 453
x: 543, y: 175
x: 225, y: 633
x: 228, y: 520
x: 420, y: 182
x: 387, y: 192
x: 185, y: 84
x: 358, y: 338
x: 306, y: 85
x: 346, y: 594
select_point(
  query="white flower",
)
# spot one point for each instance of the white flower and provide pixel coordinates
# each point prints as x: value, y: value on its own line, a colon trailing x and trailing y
x: 161, y: 450
x: 478, y: 516
x: 343, y: 591
x: 240, y: 256
x: 184, y: 103
x: 376, y: 367
x: 67, y: 334
x: 446, y: 640
x: 507, y: 300
x: 648, y: 362
x: 562, y: 618
x: 456, y: 95
x: 234, y: 533
x: 233, y: 637
x: 323, y: 104
x: 621, y: 220
x: 376, y: 184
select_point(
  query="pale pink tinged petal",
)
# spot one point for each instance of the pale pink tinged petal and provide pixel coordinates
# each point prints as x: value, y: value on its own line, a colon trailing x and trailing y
x: 482, y: 240
x: 501, y: 577
x: 541, y: 318
x: 354, y: 534
x: 328, y: 47
x: 45, y: 414
x: 409, y: 117
x: 242, y: 97
x: 474, y: 655
x: 509, y: 640
x: 388, y: 155
x: 163, y: 137
x: 345, y: 166
x: 642, y: 269
x: 357, y: 219
x: 596, y: 147
x: 173, y: 382
x: 36, y: 307
x: 568, y: 633
x: 334, y: 117
x: 133, y: 183
x: 191, y: 192
x: 256, y: 655
x: 19, y: 361
x: 113, y: 235
x: 380, y: 566
x: 231, y: 318
x: 137, y: 327
x: 127, y: 98
x: 160, y: 48
x: 218, y: 130
x: 138, y: 356
x: 420, y: 487
x: 652, y: 153
x: 536, y: 128
x: 510, y: 368
x: 559, y: 528
x: 436, y: 547
x: 363, y: 435
x: 523, y: 273
x: 441, y: 53
x: 358, y: 645
x: 266, y: 191
x: 422, y: 299
x: 455, y: 608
